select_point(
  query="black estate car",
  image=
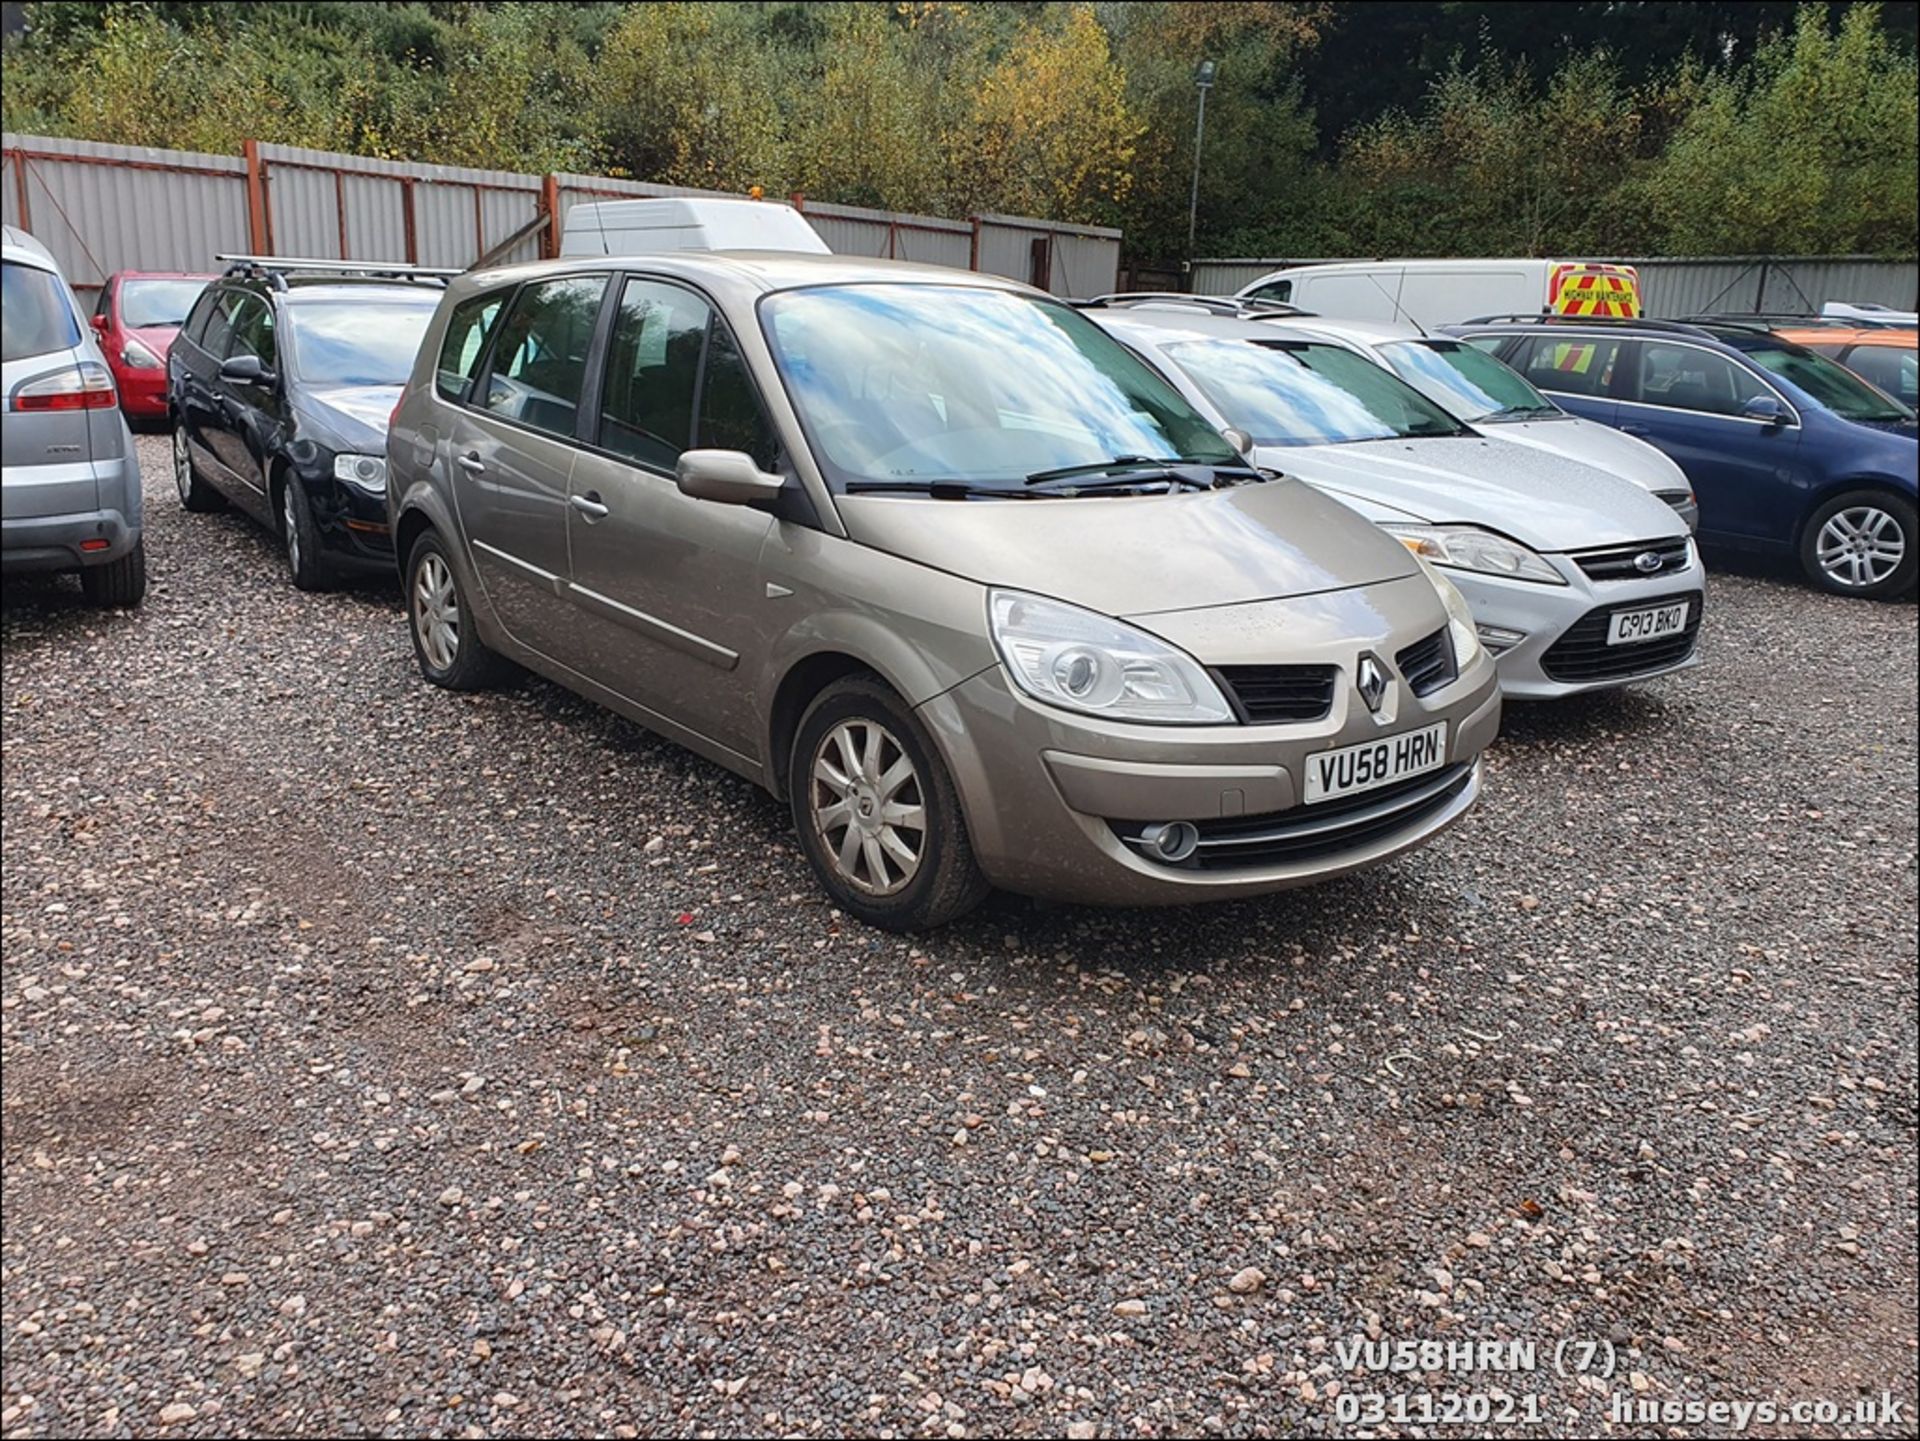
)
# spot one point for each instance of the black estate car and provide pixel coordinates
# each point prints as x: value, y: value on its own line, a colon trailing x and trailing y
x: 279, y: 388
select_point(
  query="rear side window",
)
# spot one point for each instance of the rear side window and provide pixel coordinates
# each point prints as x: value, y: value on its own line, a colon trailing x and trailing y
x: 35, y: 316
x: 653, y: 368
x: 196, y: 325
x: 466, y: 337
x: 1572, y: 365
x: 540, y: 358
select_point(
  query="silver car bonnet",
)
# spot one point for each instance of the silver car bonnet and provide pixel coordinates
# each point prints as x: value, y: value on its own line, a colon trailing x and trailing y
x: 1131, y: 555
x: 1591, y: 443
x: 1540, y: 499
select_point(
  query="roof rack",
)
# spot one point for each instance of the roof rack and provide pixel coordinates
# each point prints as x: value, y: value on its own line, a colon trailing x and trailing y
x: 1602, y: 322
x: 274, y: 269
x: 1229, y: 305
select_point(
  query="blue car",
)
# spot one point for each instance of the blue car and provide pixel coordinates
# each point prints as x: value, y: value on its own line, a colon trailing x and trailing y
x: 1788, y: 452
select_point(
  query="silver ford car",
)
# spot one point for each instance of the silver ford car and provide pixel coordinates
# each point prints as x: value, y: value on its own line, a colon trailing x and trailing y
x: 933, y: 558
x: 70, y: 490
x: 1578, y: 579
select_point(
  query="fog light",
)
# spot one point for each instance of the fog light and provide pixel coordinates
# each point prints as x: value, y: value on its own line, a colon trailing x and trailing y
x: 1498, y: 638
x: 1172, y: 841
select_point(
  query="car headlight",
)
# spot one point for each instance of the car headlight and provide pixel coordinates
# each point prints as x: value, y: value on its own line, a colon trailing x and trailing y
x: 369, y: 472
x: 1082, y: 661
x: 1465, y: 547
x: 1460, y: 627
x: 136, y: 356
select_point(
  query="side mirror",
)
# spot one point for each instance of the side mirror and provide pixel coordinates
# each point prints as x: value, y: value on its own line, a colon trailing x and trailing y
x: 99, y: 324
x: 245, y: 370
x: 1766, y: 410
x: 728, y: 477
x: 1241, y: 442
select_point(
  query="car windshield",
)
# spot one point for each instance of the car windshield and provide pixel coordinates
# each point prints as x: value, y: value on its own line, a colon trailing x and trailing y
x: 1304, y: 393
x: 145, y: 303
x: 355, y: 342
x: 1829, y: 383
x: 1467, y: 382
x: 918, y: 384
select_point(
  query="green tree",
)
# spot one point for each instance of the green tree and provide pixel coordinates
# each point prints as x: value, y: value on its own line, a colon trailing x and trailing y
x: 865, y: 131
x: 1811, y: 149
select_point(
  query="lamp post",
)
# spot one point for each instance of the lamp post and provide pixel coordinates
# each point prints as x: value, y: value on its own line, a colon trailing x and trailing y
x: 1202, y: 81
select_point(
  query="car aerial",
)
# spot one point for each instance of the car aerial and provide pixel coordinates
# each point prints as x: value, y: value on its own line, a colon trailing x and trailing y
x: 1885, y: 356
x: 880, y: 537
x: 138, y: 314
x: 70, y: 494
x: 1787, y: 451
x: 1578, y: 580
x: 279, y: 388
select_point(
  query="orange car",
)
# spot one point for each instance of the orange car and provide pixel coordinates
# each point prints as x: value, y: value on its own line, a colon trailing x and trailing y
x: 1881, y: 355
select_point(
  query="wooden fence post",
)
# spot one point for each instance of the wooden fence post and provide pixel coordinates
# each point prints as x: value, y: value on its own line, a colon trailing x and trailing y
x: 259, y: 225
x: 550, y: 207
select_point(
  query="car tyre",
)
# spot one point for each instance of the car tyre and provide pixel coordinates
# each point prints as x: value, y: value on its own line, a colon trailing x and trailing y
x: 301, y: 539
x: 446, y: 642
x: 195, y: 493
x: 1863, y: 543
x: 877, y: 813
x: 119, y: 584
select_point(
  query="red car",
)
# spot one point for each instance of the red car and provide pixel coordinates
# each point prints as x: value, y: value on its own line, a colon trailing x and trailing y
x: 139, y: 313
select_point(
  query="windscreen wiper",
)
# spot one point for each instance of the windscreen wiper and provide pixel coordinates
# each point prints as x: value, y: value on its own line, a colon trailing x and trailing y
x: 1189, y: 476
x: 1519, y: 412
x: 941, y: 489
x: 1106, y: 467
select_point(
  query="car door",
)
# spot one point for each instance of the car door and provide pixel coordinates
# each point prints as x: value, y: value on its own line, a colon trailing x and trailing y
x: 1576, y: 370
x: 668, y: 587
x: 195, y: 363
x: 512, y: 447
x: 1687, y: 400
x: 250, y: 409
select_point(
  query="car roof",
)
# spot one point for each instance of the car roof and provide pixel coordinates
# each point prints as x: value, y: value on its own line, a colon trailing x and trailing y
x: 1889, y: 337
x: 22, y: 249
x: 1163, y: 325
x: 1736, y: 335
x: 754, y: 272
x: 301, y: 288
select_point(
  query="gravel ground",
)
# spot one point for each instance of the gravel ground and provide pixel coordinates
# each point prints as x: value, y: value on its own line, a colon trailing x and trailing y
x: 383, y: 1061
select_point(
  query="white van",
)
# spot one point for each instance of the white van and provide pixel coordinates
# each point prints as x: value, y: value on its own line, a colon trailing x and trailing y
x: 1446, y: 292
x: 686, y: 222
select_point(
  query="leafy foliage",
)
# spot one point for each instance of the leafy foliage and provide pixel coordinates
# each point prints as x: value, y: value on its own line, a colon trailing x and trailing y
x: 1331, y: 128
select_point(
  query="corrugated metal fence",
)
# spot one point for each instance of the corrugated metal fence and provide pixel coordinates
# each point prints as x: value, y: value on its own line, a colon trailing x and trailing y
x: 1674, y: 286
x: 103, y: 208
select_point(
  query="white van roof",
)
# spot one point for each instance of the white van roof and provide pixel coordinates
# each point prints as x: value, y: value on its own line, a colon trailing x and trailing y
x: 686, y: 222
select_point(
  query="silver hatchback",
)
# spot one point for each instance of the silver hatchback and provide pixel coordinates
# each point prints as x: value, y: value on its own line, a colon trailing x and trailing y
x: 934, y: 558
x: 70, y: 489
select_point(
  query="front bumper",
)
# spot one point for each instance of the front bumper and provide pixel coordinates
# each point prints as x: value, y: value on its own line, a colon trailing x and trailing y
x: 352, y: 524
x: 1541, y: 615
x: 1052, y: 799
x: 143, y: 393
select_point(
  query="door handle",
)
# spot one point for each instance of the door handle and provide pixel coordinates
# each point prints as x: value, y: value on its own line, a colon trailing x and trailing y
x: 589, y: 505
x: 471, y: 462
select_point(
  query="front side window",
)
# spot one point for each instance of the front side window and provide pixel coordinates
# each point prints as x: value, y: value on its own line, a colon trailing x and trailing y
x: 730, y: 416
x: 220, y: 324
x: 1306, y: 393
x: 539, y: 359
x: 356, y: 342
x: 653, y: 369
x: 253, y: 331
x: 466, y: 337
x: 1827, y: 383
x: 1280, y: 290
x: 196, y: 326
x: 1683, y: 377
x: 1570, y: 365
x: 145, y: 303
x: 35, y: 318
x: 927, y: 383
x: 1468, y: 382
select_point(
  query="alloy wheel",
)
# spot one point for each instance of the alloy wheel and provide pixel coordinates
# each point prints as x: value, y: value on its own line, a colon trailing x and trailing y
x: 868, y: 807
x: 1860, y: 546
x: 436, y: 612
x: 182, y: 464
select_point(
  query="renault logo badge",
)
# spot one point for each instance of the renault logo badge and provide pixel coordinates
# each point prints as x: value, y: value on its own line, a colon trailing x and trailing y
x: 1647, y: 562
x: 1373, y: 683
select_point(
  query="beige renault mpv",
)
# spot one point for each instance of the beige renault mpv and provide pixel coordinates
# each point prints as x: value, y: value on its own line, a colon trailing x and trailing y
x: 931, y: 556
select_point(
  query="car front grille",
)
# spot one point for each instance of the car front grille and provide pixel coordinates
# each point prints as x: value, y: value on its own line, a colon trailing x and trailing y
x: 1265, y: 694
x: 1582, y: 654
x: 1621, y: 562
x: 1429, y: 664
x: 1312, y: 832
